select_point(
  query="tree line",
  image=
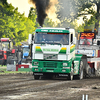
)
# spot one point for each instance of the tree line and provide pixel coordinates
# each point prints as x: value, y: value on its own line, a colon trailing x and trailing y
x: 16, y: 26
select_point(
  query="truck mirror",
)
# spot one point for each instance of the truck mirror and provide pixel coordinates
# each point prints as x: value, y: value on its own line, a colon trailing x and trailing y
x: 14, y: 43
x: 74, y: 40
x: 29, y: 38
x: 98, y: 42
x: 33, y: 37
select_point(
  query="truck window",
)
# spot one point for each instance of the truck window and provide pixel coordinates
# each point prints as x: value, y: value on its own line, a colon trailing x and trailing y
x: 26, y: 50
x: 71, y: 40
x: 5, y: 45
x: 85, y: 41
x: 52, y: 38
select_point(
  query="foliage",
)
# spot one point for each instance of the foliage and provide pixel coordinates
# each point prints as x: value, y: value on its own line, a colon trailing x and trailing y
x: 67, y: 10
x: 49, y: 23
x: 72, y: 9
x: 15, y: 25
x: 32, y: 16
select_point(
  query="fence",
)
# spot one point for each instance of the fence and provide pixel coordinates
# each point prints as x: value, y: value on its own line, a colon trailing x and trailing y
x: 85, y: 97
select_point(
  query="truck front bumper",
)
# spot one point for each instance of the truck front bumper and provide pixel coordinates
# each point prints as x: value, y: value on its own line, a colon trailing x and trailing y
x: 51, y: 70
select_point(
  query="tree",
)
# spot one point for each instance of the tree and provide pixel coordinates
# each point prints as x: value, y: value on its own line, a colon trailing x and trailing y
x: 49, y: 23
x: 14, y: 25
x: 72, y: 9
x: 3, y: 2
x: 33, y: 16
x: 67, y: 10
x: 87, y: 8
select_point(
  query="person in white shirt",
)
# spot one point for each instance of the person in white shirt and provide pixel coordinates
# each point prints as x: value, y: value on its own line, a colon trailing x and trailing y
x: 64, y: 40
x: 43, y: 38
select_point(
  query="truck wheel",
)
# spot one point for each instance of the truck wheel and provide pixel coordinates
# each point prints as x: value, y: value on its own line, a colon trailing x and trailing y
x: 80, y: 75
x: 70, y: 76
x: 81, y: 71
x: 36, y: 77
x: 88, y: 71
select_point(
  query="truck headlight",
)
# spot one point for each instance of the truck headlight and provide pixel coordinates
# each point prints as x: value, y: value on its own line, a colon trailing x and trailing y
x: 36, y: 63
x: 66, y: 67
x: 65, y: 64
x: 34, y: 66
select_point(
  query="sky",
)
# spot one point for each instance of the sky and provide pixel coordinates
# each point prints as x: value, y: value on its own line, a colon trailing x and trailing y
x: 23, y: 6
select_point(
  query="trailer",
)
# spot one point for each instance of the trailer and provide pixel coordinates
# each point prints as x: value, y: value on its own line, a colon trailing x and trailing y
x: 53, y: 54
x: 91, y: 50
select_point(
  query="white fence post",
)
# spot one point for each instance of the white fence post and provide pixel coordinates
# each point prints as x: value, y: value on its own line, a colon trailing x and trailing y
x: 84, y: 98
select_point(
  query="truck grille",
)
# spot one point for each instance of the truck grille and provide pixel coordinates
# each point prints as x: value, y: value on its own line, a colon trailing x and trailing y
x: 50, y: 56
x: 50, y: 64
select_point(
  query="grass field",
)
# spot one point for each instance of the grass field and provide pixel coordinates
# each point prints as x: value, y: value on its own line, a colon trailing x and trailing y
x: 3, y: 70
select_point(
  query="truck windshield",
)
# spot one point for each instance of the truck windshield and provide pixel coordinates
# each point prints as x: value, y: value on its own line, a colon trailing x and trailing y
x: 26, y: 49
x: 85, y: 41
x: 5, y: 45
x: 52, y: 38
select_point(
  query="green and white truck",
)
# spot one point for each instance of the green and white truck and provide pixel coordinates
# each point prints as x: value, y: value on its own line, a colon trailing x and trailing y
x: 53, y: 58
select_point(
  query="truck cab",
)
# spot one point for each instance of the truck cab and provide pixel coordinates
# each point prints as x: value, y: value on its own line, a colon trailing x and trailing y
x: 5, y: 46
x: 53, y: 53
x: 89, y: 45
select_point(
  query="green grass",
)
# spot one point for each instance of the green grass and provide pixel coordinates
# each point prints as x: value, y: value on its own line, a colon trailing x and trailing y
x: 3, y: 70
x: 3, y: 66
x: 12, y: 72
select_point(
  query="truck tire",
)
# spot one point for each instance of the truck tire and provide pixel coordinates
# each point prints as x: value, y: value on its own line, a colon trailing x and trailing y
x: 36, y: 77
x: 85, y: 65
x: 80, y: 76
x: 70, y: 76
x: 89, y: 71
x: 81, y: 72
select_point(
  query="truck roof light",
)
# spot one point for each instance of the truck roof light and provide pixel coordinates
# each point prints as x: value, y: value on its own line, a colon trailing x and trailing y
x: 39, y: 26
x: 67, y: 28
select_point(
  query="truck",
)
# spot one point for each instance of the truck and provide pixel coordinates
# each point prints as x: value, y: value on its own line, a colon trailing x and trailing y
x: 53, y: 58
x: 25, y: 51
x: 8, y: 54
x: 91, y: 49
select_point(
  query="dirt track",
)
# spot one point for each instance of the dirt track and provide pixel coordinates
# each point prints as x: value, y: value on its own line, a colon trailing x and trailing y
x: 23, y: 86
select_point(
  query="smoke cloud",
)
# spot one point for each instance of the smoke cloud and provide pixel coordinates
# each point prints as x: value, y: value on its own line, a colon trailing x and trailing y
x: 44, y: 8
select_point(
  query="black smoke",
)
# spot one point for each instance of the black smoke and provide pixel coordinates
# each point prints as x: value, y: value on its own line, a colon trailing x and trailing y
x: 41, y: 6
